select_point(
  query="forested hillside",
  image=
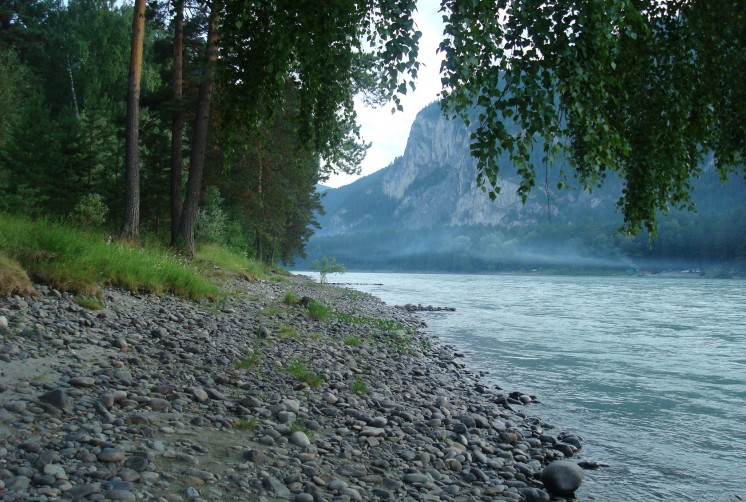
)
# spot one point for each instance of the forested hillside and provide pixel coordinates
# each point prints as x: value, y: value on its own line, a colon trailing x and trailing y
x: 425, y: 212
x: 176, y: 119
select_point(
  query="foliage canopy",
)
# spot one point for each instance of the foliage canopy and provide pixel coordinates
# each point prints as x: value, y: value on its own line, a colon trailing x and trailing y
x: 644, y: 88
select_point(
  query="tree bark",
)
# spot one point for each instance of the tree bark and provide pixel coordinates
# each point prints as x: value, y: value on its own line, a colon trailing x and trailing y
x: 72, y: 89
x: 177, y: 122
x: 188, y: 220
x: 131, y: 225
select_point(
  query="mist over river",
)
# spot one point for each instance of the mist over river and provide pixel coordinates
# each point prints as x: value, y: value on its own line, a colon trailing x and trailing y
x: 651, y: 371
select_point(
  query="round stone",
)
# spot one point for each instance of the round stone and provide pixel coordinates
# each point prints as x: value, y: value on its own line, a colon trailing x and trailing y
x: 114, y: 454
x: 299, y: 438
x: 83, y: 381
x: 562, y: 477
x: 200, y: 395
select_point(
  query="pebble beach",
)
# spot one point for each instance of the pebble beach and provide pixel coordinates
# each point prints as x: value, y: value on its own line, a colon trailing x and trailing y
x: 254, y: 398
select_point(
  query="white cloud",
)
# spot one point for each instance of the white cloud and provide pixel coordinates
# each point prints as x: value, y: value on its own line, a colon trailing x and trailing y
x: 386, y: 131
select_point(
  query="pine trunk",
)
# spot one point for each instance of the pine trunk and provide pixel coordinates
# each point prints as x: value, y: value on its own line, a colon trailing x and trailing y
x: 177, y: 122
x: 188, y: 220
x: 131, y: 224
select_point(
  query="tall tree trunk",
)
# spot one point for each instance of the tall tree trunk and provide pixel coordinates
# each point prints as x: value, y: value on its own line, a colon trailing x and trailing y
x: 131, y: 225
x: 177, y: 122
x: 72, y: 89
x: 188, y: 220
x: 259, y: 249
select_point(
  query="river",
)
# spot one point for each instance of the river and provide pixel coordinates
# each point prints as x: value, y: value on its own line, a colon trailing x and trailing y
x: 651, y: 371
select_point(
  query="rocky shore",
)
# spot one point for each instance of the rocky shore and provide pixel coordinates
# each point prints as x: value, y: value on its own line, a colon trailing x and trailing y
x: 257, y: 398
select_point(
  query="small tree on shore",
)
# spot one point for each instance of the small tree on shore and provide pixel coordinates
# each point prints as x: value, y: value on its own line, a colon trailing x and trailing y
x: 326, y: 266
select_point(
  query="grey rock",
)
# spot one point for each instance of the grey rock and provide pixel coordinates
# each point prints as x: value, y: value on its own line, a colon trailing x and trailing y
x: 276, y: 486
x: 562, y: 477
x: 254, y: 456
x: 82, y: 381
x: 159, y: 404
x: 81, y: 491
x: 534, y: 495
x: 15, y: 406
x: 120, y: 495
x: 416, y: 477
x: 17, y: 483
x: 136, y: 463
x: 200, y: 395
x: 114, y: 454
x: 57, y: 398
x: 299, y: 438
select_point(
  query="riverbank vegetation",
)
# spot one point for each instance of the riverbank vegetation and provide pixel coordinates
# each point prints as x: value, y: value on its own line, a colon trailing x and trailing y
x: 84, y: 261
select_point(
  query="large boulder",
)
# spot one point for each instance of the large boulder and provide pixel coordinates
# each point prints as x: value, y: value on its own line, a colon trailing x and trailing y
x: 562, y: 477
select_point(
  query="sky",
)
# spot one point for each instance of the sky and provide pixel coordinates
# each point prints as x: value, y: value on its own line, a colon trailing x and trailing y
x: 388, y: 132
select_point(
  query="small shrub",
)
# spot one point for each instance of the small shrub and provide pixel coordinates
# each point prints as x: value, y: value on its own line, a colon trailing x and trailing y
x: 318, y: 310
x: 353, y: 341
x: 359, y: 386
x: 13, y: 279
x: 290, y: 298
x: 289, y: 332
x: 326, y: 266
x: 248, y: 362
x: 246, y: 424
x: 299, y: 426
x: 211, y: 219
x: 90, y: 211
x: 298, y: 369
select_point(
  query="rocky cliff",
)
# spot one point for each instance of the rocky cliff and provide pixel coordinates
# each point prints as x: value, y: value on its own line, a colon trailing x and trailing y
x: 433, y: 184
x: 425, y: 212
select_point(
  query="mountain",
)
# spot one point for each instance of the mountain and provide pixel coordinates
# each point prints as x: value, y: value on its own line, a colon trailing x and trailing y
x: 425, y: 212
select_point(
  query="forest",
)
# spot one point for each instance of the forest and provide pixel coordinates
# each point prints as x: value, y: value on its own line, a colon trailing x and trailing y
x: 167, y: 140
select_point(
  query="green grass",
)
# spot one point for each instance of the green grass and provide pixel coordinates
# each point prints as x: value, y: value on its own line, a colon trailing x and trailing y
x: 272, y: 310
x: 318, y: 310
x: 299, y: 426
x: 246, y: 424
x: 399, y: 341
x: 359, y: 386
x: 89, y: 303
x: 230, y: 260
x: 299, y: 369
x: 83, y: 262
x: 288, y: 332
x: 386, y: 332
x: 290, y: 298
x: 248, y: 361
x: 315, y: 335
x: 353, y: 341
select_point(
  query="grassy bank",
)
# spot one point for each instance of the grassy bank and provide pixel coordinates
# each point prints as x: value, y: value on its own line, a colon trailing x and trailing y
x: 84, y: 262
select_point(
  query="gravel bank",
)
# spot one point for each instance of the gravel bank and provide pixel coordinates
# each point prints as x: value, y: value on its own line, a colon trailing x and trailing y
x: 155, y: 398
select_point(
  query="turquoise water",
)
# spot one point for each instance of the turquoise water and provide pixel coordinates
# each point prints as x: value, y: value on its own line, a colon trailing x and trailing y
x: 651, y: 371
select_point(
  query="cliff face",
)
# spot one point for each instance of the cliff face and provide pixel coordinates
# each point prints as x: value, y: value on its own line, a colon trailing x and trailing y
x: 433, y: 184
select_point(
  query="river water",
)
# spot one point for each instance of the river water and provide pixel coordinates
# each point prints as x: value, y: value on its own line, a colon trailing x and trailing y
x: 651, y: 371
